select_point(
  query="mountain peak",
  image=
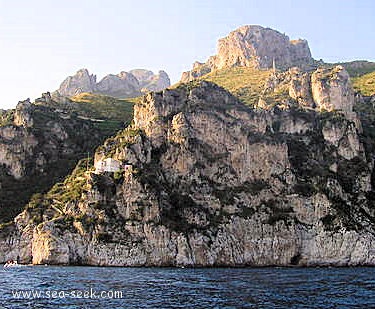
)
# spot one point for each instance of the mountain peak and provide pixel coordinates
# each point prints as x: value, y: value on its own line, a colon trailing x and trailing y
x: 82, y: 81
x: 255, y: 46
x: 123, y: 85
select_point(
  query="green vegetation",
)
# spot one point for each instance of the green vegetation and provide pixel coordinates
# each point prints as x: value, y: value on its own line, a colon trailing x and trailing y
x: 243, y: 82
x: 54, y: 202
x: 6, y: 117
x: 121, y: 140
x: 358, y: 68
x: 188, y: 86
x: 7, y: 225
x: 366, y: 112
x: 80, y: 126
x: 16, y: 193
x: 73, y: 186
x: 327, y: 73
x: 365, y: 84
x: 272, y: 97
x: 103, y: 107
x: 110, y: 114
x: 249, y: 85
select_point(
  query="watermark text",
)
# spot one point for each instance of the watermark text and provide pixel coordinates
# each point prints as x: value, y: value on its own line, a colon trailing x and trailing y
x: 51, y: 294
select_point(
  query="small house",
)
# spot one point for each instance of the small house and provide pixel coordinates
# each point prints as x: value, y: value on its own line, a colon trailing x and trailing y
x: 107, y: 165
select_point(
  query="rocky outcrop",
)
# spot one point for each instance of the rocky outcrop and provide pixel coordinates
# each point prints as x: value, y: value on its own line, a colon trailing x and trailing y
x: 123, y: 85
x: 332, y: 89
x: 82, y: 81
x: 300, y: 88
x: 207, y: 181
x: 39, y: 147
x: 323, y: 90
x: 22, y: 115
x: 149, y: 81
x: 258, y: 47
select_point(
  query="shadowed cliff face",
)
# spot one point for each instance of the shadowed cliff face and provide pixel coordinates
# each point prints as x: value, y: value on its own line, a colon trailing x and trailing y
x: 39, y: 147
x: 207, y: 181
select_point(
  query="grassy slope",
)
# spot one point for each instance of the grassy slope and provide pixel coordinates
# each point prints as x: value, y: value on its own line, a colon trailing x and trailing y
x: 248, y: 83
x: 113, y: 112
x: 103, y: 107
x: 245, y: 83
x: 358, y: 68
x: 365, y: 84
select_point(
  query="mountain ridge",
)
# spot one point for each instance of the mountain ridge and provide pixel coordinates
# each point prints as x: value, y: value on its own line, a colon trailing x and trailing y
x: 122, y: 85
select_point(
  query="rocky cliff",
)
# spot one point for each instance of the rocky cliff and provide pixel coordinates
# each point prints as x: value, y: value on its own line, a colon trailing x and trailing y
x: 41, y: 142
x: 258, y: 47
x: 204, y: 180
x: 123, y: 85
x: 325, y: 89
x: 82, y: 81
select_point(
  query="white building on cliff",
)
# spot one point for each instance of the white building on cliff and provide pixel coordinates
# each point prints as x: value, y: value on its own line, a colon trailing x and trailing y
x: 107, y: 165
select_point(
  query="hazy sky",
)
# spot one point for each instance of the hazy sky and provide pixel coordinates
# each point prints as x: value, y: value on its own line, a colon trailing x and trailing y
x: 44, y: 41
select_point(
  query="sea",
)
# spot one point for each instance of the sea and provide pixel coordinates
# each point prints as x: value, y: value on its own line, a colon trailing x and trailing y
x: 113, y: 287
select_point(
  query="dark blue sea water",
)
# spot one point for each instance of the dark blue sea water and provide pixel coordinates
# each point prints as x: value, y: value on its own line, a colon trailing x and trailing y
x: 80, y: 287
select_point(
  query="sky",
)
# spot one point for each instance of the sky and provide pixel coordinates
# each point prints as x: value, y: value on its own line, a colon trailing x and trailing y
x: 43, y: 41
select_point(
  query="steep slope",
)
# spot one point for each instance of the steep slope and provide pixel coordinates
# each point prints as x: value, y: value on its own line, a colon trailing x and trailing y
x: 122, y: 85
x: 365, y: 84
x: 41, y: 142
x: 201, y: 179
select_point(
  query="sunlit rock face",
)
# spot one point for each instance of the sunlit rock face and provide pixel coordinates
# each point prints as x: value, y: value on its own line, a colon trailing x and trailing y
x: 258, y: 47
x: 123, y: 85
x: 207, y: 181
x: 82, y: 81
x: 332, y: 89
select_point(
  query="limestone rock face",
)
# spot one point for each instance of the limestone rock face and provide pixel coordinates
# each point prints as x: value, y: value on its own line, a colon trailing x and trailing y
x: 207, y: 181
x: 82, y: 81
x: 16, y: 147
x: 149, y: 81
x: 22, y: 115
x: 142, y: 75
x: 258, y: 47
x: 122, y: 85
x: 332, y: 89
x: 324, y: 89
x: 300, y: 88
